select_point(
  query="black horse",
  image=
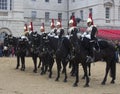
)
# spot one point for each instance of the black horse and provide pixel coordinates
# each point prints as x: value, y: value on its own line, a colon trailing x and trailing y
x: 34, y: 42
x: 46, y: 55
x: 22, y: 46
x: 106, y: 53
x: 61, y: 48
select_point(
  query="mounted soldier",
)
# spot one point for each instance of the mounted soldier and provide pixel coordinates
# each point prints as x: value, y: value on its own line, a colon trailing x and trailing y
x: 60, y: 30
x: 90, y: 40
x: 52, y: 33
x: 72, y: 29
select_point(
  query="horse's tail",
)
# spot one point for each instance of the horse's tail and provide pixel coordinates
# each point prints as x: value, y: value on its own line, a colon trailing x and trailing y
x: 113, y: 68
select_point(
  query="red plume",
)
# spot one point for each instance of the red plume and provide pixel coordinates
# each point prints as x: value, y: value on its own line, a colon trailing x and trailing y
x: 52, y: 23
x: 59, y: 20
x: 42, y: 28
x: 31, y: 26
x: 74, y: 21
x: 25, y: 27
x: 90, y: 16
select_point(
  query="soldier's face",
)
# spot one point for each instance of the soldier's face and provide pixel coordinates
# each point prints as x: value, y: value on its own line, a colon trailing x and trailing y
x: 52, y: 27
x: 58, y: 26
x: 70, y: 24
x: 89, y: 24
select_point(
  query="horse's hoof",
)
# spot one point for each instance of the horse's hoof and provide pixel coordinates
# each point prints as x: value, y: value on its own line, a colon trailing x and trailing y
x: 56, y: 79
x: 16, y: 68
x: 75, y: 85
x: 86, y: 85
x: 41, y: 73
x: 103, y: 83
x: 112, y: 82
x: 65, y: 80
x: 23, y: 69
x: 50, y: 76
x: 35, y: 71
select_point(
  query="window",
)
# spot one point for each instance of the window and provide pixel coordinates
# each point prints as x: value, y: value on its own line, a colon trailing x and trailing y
x: 81, y: 14
x: 73, y: 0
x: 59, y: 15
x: 10, y: 4
x: 59, y: 1
x: 119, y: 13
x: 47, y: 14
x: 90, y: 10
x: 34, y: 14
x: 3, y: 5
x: 46, y: 0
x: 107, y: 13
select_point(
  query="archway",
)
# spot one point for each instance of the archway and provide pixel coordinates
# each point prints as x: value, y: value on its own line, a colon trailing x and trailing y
x: 3, y: 32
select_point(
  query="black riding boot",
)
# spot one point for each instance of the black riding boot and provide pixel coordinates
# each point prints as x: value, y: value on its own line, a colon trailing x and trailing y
x: 90, y: 57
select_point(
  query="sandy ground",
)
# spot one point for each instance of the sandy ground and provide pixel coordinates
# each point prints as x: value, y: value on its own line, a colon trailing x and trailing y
x: 18, y: 82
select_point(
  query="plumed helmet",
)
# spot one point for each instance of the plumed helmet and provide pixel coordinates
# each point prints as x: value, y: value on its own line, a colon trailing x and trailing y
x: 52, y: 23
x: 42, y: 29
x: 58, y: 23
x: 29, y: 26
x: 89, y: 20
x: 71, y: 21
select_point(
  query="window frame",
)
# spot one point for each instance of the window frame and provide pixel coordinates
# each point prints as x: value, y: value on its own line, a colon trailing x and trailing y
x: 46, y: 1
x: 107, y: 12
x: 47, y: 16
x: 33, y: 14
x: 4, y: 5
x: 59, y: 15
x: 59, y: 1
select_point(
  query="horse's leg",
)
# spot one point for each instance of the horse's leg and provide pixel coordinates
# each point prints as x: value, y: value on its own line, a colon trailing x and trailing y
x: 58, y: 69
x: 39, y: 63
x: 50, y: 68
x: 18, y: 62
x: 107, y: 70
x: 43, y: 66
x: 89, y: 66
x: 85, y: 74
x: 64, y: 68
x: 113, y: 71
x: 89, y: 69
x: 70, y: 64
x: 76, y: 74
x: 73, y: 69
x: 34, y: 57
x: 22, y: 65
x: 23, y: 62
x: 46, y: 68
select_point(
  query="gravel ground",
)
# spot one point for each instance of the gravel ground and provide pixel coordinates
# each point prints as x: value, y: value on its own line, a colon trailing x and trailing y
x: 14, y: 81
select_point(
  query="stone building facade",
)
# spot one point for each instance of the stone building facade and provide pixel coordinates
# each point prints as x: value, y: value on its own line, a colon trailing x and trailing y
x: 15, y: 13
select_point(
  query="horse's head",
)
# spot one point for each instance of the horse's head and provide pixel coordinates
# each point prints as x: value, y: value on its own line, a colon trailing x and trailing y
x: 73, y: 36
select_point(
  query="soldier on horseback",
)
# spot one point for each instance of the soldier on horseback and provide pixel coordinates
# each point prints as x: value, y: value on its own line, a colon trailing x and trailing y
x: 89, y: 37
x: 60, y: 30
x: 72, y: 28
x: 52, y: 33
x: 60, y: 33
